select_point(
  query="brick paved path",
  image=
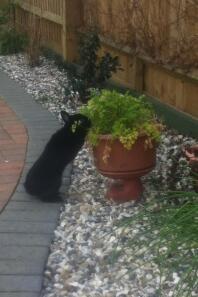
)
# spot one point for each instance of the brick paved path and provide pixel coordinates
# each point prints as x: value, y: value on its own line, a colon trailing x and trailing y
x: 13, y: 141
x: 26, y: 224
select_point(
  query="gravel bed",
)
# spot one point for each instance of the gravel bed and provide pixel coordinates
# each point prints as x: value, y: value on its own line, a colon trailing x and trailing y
x: 83, y: 262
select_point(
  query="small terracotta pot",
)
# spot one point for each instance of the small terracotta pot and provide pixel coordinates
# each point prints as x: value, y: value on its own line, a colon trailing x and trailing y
x: 125, y: 166
x: 192, y: 156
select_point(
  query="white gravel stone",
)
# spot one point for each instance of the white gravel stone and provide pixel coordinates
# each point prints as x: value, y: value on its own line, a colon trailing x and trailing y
x: 81, y: 263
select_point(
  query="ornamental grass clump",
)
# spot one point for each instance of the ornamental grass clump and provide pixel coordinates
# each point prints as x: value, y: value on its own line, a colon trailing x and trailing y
x: 121, y: 116
x: 167, y: 236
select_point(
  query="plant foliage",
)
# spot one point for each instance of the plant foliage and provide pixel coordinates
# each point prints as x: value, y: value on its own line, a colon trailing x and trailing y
x: 95, y: 70
x: 12, y: 42
x: 122, y: 116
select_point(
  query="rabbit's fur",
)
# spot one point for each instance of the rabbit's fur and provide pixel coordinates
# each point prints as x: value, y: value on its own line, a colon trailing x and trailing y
x: 45, y: 176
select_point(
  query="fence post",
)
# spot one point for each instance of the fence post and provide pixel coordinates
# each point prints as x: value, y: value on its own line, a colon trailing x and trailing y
x: 72, y: 21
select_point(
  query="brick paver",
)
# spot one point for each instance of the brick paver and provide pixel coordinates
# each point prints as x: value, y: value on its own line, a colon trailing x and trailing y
x: 26, y: 224
x: 13, y: 142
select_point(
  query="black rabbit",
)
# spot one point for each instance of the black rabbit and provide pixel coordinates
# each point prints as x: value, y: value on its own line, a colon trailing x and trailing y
x: 44, y: 177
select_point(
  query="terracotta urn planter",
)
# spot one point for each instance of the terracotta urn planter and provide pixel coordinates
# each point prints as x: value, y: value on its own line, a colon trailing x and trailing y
x: 124, y: 166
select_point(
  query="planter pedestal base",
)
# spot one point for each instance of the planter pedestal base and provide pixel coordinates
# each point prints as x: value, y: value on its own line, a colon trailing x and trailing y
x: 125, y: 190
x: 125, y: 167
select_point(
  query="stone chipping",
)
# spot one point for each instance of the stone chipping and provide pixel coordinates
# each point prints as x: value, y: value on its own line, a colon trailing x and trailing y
x: 87, y: 258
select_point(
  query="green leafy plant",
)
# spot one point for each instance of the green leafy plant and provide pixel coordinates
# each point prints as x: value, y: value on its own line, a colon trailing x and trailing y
x: 122, y: 116
x: 94, y: 69
x: 12, y: 42
x: 89, y: 45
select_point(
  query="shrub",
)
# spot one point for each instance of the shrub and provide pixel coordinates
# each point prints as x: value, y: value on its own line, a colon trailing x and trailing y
x: 94, y: 70
x: 12, y: 42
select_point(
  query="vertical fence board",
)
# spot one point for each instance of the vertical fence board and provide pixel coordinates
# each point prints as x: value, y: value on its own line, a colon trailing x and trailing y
x: 64, y: 32
x: 191, y: 98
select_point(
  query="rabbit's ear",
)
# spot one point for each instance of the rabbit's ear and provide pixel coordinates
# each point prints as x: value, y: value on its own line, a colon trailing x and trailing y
x: 65, y: 116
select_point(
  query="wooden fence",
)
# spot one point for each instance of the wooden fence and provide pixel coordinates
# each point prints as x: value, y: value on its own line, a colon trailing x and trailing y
x: 61, y: 19
x: 57, y: 21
